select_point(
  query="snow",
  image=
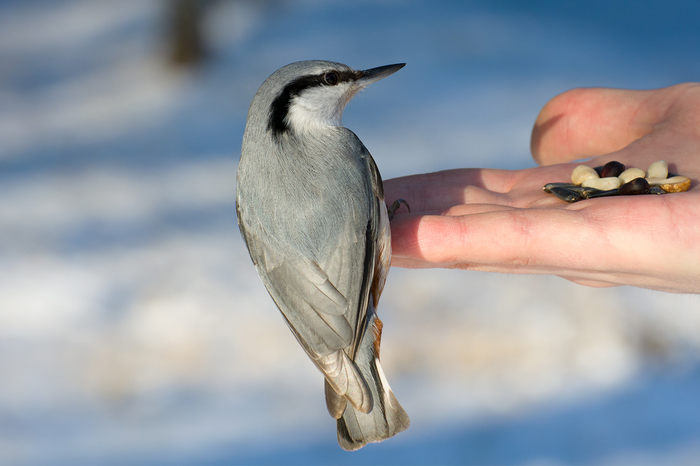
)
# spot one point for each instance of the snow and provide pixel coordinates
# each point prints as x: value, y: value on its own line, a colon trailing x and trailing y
x: 133, y: 328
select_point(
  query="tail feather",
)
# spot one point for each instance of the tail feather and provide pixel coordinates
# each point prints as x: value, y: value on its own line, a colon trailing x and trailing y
x: 334, y: 402
x: 387, y: 418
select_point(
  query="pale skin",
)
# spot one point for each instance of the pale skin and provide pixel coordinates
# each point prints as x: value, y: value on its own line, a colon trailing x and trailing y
x: 502, y: 220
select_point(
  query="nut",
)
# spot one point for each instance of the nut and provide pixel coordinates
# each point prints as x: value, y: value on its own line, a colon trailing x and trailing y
x: 583, y: 173
x: 630, y: 174
x: 636, y: 186
x: 611, y: 169
x: 604, y: 184
x: 677, y: 184
x: 658, y: 169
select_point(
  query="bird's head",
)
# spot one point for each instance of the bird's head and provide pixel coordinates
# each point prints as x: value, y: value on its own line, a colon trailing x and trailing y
x: 310, y: 94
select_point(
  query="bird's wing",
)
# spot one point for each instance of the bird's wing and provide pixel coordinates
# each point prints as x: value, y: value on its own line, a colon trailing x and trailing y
x: 323, y: 294
x: 324, y: 306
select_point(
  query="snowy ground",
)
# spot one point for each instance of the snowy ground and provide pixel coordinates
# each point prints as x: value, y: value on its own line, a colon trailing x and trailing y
x: 133, y: 328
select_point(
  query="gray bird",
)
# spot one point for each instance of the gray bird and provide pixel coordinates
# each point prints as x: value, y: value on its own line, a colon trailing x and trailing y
x: 311, y: 210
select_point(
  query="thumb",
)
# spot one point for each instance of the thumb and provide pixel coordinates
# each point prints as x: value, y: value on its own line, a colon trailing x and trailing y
x: 587, y: 122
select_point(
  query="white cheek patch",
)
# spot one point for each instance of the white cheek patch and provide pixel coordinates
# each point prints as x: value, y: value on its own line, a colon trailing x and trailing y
x: 319, y: 106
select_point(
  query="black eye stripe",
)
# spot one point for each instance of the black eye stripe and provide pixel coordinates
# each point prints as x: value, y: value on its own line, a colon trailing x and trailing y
x: 332, y: 78
x: 280, y: 106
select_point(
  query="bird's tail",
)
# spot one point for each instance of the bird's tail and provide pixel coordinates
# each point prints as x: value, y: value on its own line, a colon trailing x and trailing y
x: 386, y: 418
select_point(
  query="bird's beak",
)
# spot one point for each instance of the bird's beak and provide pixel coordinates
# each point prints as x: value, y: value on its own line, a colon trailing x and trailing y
x: 375, y: 74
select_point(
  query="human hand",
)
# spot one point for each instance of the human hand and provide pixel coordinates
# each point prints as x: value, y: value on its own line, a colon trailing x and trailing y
x: 502, y: 220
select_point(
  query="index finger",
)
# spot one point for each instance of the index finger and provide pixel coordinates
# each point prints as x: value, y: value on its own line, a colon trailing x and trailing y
x: 439, y: 191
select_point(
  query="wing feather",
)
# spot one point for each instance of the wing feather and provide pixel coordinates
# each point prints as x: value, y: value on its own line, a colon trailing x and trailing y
x: 318, y: 263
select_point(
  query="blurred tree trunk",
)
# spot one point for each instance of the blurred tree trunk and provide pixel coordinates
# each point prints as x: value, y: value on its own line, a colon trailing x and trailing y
x: 185, y: 43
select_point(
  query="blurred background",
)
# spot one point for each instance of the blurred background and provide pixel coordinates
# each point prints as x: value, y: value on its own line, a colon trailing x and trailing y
x: 133, y: 327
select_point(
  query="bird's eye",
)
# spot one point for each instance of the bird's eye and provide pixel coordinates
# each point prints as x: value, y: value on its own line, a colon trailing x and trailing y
x: 330, y: 78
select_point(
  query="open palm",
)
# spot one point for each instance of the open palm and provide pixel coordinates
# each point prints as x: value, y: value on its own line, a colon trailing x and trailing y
x: 502, y: 221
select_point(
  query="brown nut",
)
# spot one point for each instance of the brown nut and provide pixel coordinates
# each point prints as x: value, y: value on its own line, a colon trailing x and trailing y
x: 636, y: 186
x: 612, y: 169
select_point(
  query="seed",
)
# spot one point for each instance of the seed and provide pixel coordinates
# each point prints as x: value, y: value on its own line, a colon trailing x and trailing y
x: 677, y: 184
x: 583, y: 173
x: 584, y: 192
x: 636, y: 186
x: 611, y: 169
x: 678, y: 187
x: 548, y: 187
x: 658, y: 169
x: 598, y: 193
x: 580, y: 190
x: 630, y: 174
x: 604, y: 184
x: 565, y: 194
x: 613, y: 179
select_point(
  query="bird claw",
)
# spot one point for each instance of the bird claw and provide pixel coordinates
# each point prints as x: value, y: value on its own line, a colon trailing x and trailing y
x: 395, y: 206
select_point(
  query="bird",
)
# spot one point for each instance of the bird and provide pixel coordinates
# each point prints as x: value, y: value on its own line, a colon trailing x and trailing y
x: 311, y: 210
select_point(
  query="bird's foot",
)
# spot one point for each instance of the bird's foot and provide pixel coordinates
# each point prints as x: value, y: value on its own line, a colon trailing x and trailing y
x: 395, y: 206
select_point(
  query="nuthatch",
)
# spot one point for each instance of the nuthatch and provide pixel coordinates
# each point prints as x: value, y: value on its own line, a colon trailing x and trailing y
x: 311, y: 210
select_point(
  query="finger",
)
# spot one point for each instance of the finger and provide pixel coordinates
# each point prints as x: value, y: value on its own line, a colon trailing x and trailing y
x: 584, y: 123
x: 437, y: 192
x: 501, y: 238
x: 440, y: 199
x: 443, y: 189
x: 472, y: 209
x: 588, y: 242
x: 570, y: 237
x: 586, y: 278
